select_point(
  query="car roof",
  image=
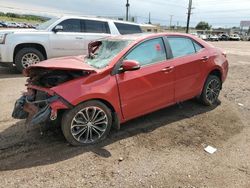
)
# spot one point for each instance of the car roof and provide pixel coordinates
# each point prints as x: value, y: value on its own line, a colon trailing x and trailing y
x: 142, y: 36
x: 136, y: 38
x: 98, y: 19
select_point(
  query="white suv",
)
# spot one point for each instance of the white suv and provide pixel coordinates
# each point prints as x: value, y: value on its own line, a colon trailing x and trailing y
x: 65, y: 36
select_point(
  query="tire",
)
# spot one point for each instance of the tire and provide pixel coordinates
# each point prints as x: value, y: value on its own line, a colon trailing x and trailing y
x: 26, y: 57
x: 82, y: 114
x: 211, y: 90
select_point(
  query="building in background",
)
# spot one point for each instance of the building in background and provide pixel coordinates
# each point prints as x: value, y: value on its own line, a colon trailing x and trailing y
x: 151, y: 28
x: 245, y: 27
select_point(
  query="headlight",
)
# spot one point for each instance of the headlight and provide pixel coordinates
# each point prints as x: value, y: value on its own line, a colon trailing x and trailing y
x: 2, y: 38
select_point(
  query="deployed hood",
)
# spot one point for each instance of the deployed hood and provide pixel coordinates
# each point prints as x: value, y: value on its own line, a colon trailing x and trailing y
x: 64, y: 63
x: 54, y: 72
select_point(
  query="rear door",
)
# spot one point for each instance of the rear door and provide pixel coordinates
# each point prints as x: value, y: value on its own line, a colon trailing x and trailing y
x: 188, y: 58
x: 152, y: 86
x: 68, y: 42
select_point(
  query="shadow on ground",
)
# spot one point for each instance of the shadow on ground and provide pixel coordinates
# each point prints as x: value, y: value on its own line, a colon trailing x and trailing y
x: 20, y: 148
x: 9, y: 72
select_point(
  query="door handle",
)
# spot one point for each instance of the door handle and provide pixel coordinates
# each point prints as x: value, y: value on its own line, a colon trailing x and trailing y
x: 204, y: 58
x: 168, y: 69
x: 79, y: 38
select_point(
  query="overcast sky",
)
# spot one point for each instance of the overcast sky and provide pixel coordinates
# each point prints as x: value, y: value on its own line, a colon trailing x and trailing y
x: 223, y: 13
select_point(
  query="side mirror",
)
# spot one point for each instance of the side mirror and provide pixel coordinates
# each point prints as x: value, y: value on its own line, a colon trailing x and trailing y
x: 129, y: 65
x: 58, y: 28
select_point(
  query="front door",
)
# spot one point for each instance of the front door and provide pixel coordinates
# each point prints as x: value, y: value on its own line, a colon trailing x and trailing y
x: 68, y: 42
x: 152, y: 86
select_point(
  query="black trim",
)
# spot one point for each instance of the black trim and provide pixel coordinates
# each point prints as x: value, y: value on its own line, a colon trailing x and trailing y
x: 168, y: 48
x: 64, y: 101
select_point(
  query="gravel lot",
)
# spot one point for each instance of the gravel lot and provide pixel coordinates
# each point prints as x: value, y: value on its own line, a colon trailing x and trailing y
x: 162, y: 149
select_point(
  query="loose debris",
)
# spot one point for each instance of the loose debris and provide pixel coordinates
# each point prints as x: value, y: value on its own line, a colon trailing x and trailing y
x: 210, y: 149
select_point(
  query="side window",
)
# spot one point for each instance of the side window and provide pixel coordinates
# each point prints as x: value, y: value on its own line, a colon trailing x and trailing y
x: 93, y: 26
x: 181, y: 46
x: 127, y: 28
x: 197, y: 46
x: 71, y: 25
x: 148, y: 52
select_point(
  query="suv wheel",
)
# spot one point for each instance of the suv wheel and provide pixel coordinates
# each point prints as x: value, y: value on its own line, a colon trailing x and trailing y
x: 26, y: 57
x: 87, y: 123
x: 211, y: 90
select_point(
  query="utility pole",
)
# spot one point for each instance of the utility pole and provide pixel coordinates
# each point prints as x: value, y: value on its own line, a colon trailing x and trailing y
x: 127, y: 7
x: 149, y: 18
x: 170, y: 22
x: 188, y: 15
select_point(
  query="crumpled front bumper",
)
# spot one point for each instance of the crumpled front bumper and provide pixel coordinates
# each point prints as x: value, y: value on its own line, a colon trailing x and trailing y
x: 34, y: 114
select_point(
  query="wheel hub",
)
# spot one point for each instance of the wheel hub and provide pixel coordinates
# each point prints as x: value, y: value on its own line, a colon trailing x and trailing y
x: 89, y: 124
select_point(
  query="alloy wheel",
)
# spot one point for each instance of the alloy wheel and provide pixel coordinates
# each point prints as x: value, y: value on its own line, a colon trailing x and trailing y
x: 29, y: 59
x: 213, y: 91
x: 89, y: 124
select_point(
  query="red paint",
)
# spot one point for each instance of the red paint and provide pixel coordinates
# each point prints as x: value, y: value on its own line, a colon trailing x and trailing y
x: 135, y: 93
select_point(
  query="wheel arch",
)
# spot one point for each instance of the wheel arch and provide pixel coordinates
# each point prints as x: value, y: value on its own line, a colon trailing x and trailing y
x: 37, y: 46
x: 215, y: 71
x: 115, y: 114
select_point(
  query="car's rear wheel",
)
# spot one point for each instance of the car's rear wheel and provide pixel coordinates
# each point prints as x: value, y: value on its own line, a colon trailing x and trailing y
x: 87, y: 123
x: 211, y: 90
x: 27, y: 57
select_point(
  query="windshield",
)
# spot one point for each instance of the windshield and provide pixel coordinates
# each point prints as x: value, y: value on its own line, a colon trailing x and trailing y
x: 107, y: 50
x: 45, y: 25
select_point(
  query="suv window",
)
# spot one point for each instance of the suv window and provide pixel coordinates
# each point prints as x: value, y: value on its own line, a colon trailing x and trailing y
x: 127, y: 28
x: 148, y: 52
x: 181, y: 46
x: 71, y: 25
x: 93, y: 26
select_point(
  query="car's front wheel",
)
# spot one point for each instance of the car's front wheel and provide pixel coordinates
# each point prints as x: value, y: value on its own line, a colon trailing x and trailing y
x: 87, y: 123
x: 26, y: 57
x: 211, y: 90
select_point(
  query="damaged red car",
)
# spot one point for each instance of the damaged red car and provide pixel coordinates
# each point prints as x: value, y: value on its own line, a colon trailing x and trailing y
x: 122, y: 78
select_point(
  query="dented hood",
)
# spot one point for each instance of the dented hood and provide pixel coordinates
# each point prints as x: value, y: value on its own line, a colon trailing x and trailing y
x: 64, y: 63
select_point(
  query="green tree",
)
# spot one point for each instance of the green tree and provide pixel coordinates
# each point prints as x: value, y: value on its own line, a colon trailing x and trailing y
x: 203, y: 26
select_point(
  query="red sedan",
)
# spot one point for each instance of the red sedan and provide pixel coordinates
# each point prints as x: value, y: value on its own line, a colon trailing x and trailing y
x: 122, y: 78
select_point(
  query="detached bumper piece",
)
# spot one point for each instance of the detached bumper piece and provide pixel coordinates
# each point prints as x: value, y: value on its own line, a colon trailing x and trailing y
x: 18, y: 112
x: 33, y: 111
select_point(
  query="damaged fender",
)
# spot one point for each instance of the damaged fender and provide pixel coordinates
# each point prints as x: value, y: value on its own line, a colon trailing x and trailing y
x: 38, y: 111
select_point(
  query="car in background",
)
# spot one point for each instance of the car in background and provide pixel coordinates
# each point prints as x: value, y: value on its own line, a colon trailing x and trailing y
x: 224, y: 37
x: 213, y: 38
x: 235, y: 37
x: 203, y: 36
x: 65, y: 36
x: 3, y: 24
x: 123, y: 77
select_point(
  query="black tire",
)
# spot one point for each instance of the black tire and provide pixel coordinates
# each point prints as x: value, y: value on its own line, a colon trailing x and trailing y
x: 70, y: 116
x: 24, y: 51
x: 209, y: 96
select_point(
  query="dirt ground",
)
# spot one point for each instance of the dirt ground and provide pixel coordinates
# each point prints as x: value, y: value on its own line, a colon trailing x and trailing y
x: 162, y: 149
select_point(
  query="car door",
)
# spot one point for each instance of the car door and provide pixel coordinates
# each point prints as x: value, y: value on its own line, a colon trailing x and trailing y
x: 69, y: 41
x: 93, y: 30
x: 152, y: 86
x: 188, y: 57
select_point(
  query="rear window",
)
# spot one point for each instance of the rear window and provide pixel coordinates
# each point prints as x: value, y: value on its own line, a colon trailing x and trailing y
x: 127, y: 28
x: 92, y: 26
x: 181, y: 46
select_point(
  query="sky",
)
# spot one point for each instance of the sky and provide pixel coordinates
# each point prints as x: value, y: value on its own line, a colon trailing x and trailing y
x: 218, y: 13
